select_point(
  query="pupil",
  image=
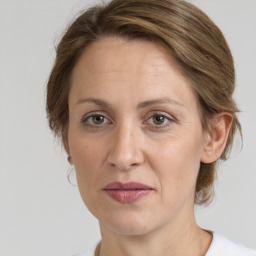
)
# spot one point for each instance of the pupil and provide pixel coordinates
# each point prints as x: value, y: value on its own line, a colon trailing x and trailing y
x: 159, y: 119
x: 98, y: 119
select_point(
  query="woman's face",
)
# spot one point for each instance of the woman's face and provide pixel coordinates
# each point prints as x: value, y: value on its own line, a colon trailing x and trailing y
x: 135, y: 136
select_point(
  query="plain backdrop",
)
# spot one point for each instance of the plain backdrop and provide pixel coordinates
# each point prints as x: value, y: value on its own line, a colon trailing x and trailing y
x: 40, y: 212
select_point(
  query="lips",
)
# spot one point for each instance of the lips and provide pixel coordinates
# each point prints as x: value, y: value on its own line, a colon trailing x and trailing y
x: 127, y: 192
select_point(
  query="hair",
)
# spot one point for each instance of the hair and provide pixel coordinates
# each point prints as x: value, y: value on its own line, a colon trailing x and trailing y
x: 195, y: 42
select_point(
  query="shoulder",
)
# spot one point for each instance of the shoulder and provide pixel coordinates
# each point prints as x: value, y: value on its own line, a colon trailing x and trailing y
x: 221, y: 246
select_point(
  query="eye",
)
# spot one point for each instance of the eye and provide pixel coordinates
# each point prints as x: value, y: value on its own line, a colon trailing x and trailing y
x: 159, y: 121
x: 95, y: 120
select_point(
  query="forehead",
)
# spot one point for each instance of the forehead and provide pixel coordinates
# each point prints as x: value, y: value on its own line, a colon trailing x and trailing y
x: 103, y: 56
x: 137, y: 68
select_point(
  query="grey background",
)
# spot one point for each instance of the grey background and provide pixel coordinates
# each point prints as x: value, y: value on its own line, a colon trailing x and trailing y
x: 40, y: 212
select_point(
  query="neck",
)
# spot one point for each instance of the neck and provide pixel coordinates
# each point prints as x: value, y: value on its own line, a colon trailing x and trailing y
x: 177, y: 239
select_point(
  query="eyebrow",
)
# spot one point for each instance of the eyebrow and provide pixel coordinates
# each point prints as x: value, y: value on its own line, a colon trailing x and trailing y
x: 143, y: 104
x: 96, y: 101
x: 164, y: 100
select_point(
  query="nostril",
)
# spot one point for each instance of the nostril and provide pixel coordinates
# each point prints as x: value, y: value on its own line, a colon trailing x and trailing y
x: 124, y: 154
x: 123, y: 166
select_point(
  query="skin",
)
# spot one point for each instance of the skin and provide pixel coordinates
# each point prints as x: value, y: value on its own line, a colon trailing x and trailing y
x: 113, y: 79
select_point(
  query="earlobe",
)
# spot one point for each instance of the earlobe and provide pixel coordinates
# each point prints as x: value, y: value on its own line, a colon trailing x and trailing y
x: 66, y: 144
x: 70, y: 160
x: 216, y: 138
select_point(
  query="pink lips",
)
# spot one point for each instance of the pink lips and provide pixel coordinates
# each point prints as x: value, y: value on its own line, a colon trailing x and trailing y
x: 127, y: 192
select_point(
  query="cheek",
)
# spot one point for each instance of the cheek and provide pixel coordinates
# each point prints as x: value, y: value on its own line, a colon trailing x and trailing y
x: 177, y: 163
x: 87, y: 158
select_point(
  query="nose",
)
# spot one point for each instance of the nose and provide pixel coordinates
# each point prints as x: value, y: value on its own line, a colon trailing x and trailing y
x: 126, y: 148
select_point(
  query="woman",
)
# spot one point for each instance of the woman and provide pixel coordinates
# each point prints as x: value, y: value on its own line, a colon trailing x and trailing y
x: 141, y: 95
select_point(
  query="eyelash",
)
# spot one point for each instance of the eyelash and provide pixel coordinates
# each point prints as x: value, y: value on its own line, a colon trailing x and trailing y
x: 85, y: 119
x: 169, y: 120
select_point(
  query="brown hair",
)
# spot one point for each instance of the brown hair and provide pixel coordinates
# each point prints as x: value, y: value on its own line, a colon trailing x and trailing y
x: 193, y: 40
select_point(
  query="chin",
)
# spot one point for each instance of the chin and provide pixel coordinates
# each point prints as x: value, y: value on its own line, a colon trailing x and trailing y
x: 128, y: 223
x: 129, y: 229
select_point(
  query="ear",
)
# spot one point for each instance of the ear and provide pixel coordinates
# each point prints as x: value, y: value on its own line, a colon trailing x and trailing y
x: 66, y: 144
x: 216, y: 138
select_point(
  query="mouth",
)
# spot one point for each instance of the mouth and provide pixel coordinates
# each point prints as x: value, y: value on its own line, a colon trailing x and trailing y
x: 127, y: 192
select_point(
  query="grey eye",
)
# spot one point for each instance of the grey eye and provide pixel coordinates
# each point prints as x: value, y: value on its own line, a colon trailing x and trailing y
x: 158, y: 119
x: 97, y: 119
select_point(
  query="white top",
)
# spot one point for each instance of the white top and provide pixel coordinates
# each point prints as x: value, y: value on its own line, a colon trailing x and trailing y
x: 220, y: 246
